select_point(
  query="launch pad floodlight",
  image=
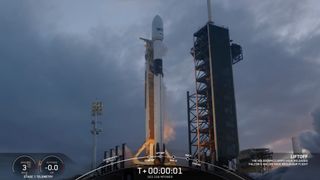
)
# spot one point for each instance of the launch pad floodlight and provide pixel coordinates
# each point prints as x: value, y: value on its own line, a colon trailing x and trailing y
x: 96, y: 110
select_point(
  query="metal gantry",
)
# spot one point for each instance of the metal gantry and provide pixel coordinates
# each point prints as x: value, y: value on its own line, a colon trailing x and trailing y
x: 207, y: 111
x: 200, y: 117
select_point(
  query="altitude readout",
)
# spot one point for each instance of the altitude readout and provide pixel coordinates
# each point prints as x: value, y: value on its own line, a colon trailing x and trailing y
x: 51, y: 165
x: 24, y: 165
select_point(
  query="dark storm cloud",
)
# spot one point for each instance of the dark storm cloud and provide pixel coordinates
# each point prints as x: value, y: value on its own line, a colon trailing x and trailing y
x: 275, y: 84
x: 48, y: 84
x: 48, y: 79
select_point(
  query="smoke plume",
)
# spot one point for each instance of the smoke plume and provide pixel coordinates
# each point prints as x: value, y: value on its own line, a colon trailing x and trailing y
x: 310, y: 140
x: 169, y: 132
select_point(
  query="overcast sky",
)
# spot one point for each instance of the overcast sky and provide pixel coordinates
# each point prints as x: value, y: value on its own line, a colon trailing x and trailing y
x: 56, y: 57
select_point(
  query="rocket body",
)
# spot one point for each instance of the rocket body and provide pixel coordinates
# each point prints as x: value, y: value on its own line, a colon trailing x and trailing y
x: 154, y: 89
x: 158, y: 53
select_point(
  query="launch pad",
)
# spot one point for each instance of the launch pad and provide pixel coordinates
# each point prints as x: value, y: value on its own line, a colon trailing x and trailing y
x: 160, y: 158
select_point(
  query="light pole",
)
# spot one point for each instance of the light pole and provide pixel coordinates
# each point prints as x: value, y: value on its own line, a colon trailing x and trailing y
x: 96, y: 110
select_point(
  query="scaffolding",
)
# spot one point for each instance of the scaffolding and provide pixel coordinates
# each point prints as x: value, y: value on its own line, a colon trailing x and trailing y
x: 211, y: 109
x: 200, y: 110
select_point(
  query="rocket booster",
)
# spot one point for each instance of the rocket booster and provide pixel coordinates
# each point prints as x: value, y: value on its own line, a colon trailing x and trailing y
x: 158, y: 53
x: 154, y: 88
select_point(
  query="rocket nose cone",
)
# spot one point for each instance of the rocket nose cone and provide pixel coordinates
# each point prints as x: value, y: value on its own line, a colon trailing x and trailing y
x: 157, y: 28
x: 157, y: 20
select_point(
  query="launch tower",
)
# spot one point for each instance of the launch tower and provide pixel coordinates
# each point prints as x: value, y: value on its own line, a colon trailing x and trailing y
x: 212, y: 121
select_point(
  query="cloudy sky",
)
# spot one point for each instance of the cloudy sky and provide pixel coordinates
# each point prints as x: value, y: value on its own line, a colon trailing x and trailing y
x: 56, y: 57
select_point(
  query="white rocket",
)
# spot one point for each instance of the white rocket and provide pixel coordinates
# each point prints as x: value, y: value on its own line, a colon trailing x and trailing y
x: 158, y: 53
x: 154, y: 90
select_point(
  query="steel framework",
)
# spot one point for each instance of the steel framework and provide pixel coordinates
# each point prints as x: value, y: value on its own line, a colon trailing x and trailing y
x: 202, y: 113
x: 200, y: 110
x: 96, y: 110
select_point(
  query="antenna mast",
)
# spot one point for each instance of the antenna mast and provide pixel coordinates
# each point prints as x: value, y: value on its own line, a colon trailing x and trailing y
x: 209, y: 11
